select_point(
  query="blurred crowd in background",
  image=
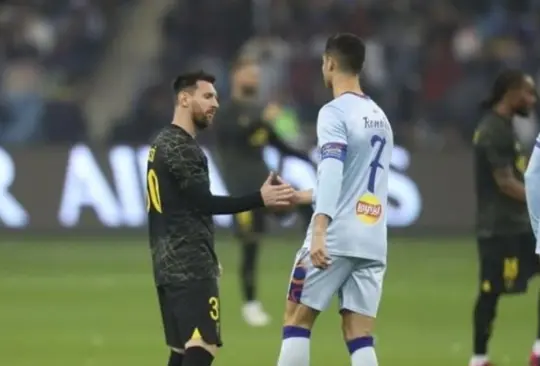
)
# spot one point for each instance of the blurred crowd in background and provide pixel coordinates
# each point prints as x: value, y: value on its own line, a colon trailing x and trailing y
x: 429, y: 63
x: 48, y: 51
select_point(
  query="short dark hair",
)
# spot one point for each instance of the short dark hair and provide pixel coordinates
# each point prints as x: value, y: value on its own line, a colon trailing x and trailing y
x: 506, y: 80
x: 189, y: 80
x: 349, y: 50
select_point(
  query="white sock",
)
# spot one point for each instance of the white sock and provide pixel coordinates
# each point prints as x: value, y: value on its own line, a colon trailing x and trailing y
x: 362, y: 352
x: 536, y: 348
x: 294, y: 347
x: 364, y: 357
x: 478, y: 360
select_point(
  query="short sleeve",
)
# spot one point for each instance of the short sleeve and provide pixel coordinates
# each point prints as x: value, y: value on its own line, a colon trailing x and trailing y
x: 331, y: 134
x: 498, y: 147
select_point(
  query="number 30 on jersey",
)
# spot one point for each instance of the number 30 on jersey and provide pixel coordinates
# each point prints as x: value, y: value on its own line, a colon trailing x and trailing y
x: 153, y: 198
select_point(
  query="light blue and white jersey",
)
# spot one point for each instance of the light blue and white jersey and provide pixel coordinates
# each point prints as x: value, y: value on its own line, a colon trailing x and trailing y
x: 532, y: 190
x: 355, y: 141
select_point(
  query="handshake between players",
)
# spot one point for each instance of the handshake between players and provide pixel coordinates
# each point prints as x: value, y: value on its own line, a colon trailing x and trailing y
x: 346, y: 236
x: 278, y: 194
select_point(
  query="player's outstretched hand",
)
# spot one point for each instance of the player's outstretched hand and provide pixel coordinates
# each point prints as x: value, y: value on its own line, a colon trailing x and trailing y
x: 299, y: 197
x: 276, y: 193
x: 318, y: 253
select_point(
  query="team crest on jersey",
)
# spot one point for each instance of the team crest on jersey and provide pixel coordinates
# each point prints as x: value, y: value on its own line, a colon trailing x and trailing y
x: 369, y: 209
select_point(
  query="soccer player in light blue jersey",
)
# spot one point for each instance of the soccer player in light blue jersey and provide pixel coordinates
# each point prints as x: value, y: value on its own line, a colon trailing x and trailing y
x: 344, y: 252
x: 532, y: 190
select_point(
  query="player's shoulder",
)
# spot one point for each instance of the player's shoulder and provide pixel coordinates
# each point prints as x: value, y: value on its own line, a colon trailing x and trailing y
x: 339, y: 104
x: 171, y: 135
x: 492, y: 121
x: 172, y: 141
x: 352, y: 103
x: 492, y: 127
x: 334, y: 109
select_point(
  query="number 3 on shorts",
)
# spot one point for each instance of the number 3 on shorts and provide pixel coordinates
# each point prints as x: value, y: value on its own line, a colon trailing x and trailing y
x: 214, y: 308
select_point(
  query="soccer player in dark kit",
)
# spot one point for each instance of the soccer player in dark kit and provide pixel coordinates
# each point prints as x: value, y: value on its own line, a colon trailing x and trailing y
x: 180, y: 208
x: 243, y: 130
x: 506, y: 243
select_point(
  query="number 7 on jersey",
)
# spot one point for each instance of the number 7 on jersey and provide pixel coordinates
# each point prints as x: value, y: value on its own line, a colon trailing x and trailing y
x: 378, y: 143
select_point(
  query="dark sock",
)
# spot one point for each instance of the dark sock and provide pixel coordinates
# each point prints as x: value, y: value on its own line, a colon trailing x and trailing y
x: 197, y: 356
x: 175, y: 359
x: 484, y: 315
x: 250, y: 251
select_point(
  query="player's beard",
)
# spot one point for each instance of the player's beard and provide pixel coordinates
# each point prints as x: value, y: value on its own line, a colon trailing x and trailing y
x: 200, y: 119
x: 523, y: 111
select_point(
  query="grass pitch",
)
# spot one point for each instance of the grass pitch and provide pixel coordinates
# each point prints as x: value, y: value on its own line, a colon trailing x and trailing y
x: 92, y: 303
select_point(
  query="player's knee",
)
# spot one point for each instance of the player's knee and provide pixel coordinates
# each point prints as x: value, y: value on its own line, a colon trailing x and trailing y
x: 200, y: 343
x: 356, y: 325
x: 299, y: 315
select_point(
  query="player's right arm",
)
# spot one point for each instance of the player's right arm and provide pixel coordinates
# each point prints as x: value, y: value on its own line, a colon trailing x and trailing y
x: 499, y: 154
x: 192, y: 180
x: 332, y: 143
x: 532, y: 190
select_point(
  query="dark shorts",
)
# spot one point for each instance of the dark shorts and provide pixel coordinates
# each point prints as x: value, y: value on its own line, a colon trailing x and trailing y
x: 190, y: 311
x: 507, y: 263
x: 250, y: 222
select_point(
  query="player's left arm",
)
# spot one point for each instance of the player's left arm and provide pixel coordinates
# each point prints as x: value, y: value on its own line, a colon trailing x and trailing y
x: 332, y: 142
x: 532, y: 190
x: 191, y: 176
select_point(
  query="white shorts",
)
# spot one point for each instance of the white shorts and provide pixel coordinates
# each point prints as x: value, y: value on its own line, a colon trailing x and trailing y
x: 358, y: 283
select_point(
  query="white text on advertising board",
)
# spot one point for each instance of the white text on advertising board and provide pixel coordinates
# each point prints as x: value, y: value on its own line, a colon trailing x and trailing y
x: 120, y: 202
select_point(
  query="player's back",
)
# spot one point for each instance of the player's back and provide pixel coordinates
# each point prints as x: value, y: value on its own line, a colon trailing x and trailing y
x: 359, y: 225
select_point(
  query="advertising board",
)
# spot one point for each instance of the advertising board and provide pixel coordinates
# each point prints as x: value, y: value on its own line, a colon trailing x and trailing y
x: 99, y: 190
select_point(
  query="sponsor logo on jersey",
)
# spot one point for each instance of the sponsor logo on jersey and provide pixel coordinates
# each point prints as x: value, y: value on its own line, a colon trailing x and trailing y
x: 369, y: 209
